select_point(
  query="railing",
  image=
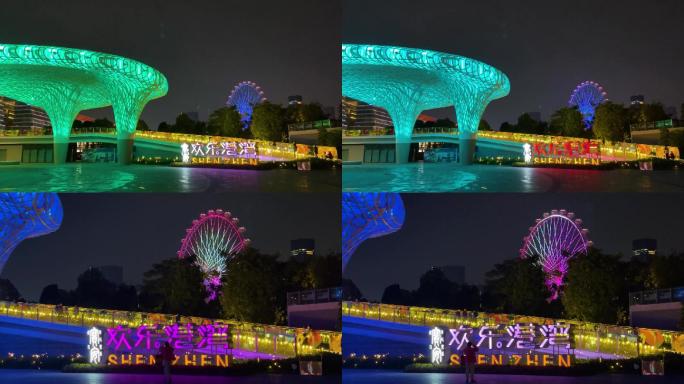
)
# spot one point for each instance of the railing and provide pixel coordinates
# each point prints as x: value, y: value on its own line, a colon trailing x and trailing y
x: 314, y: 296
x: 610, y: 150
x: 327, y: 123
x: 269, y: 339
x: 603, y: 338
x: 656, y: 296
x: 669, y: 123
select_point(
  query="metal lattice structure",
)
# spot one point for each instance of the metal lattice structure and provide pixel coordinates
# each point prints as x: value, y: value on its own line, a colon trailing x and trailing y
x: 213, y: 239
x: 368, y: 215
x: 65, y: 81
x: 407, y: 81
x: 586, y: 97
x: 244, y: 97
x: 555, y: 238
x: 26, y: 215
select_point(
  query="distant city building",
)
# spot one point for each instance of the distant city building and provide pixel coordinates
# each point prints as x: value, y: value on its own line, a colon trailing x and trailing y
x: 535, y: 115
x: 16, y: 115
x: 644, y: 248
x: 637, y: 100
x: 455, y: 273
x: 113, y: 273
x: 302, y: 248
x: 657, y: 309
x: 357, y: 114
x: 193, y: 115
x: 294, y: 100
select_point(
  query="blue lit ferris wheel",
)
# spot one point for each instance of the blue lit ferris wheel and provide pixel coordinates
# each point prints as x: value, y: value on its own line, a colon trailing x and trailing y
x: 586, y: 97
x: 26, y: 215
x: 244, y: 97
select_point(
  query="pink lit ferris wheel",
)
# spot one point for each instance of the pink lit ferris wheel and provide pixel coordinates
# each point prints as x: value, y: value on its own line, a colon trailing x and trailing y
x: 554, y: 239
x: 214, y: 239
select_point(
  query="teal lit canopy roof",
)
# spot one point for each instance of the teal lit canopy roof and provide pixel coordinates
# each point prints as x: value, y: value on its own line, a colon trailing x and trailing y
x: 407, y: 81
x: 65, y: 81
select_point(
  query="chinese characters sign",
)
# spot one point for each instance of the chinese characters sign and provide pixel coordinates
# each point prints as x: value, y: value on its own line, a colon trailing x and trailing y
x: 224, y: 152
x: 202, y: 345
x: 586, y: 152
x: 529, y: 344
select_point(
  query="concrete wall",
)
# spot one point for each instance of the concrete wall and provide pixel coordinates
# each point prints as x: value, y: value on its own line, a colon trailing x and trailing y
x: 660, y: 316
x: 352, y: 153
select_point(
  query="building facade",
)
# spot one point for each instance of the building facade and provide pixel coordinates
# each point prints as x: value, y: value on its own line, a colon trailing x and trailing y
x: 359, y: 115
x: 15, y: 115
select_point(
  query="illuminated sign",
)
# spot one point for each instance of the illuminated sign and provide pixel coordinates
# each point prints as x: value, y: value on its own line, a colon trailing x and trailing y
x: 224, y: 152
x: 194, y: 345
x: 518, y: 344
x: 94, y: 345
x: 586, y: 152
x: 437, y: 345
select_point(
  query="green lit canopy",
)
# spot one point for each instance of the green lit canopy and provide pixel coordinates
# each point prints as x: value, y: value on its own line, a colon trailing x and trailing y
x: 65, y: 81
x: 407, y: 81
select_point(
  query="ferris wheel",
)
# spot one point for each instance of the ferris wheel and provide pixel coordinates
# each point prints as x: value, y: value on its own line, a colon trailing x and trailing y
x: 244, y: 96
x: 586, y: 97
x: 555, y: 238
x: 214, y: 239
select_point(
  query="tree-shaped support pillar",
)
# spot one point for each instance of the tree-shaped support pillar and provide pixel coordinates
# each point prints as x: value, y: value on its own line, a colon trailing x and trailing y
x: 127, y: 111
x: 403, y: 119
x: 62, y: 107
x: 469, y: 107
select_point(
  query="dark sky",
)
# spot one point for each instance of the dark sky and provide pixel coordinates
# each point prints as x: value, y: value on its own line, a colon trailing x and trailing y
x: 480, y: 230
x: 137, y: 230
x: 203, y: 47
x: 545, y: 47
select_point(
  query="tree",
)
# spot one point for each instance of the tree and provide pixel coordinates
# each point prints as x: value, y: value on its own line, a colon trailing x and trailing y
x: 268, y: 122
x: 176, y: 286
x: 394, y: 294
x: 142, y: 126
x: 254, y: 289
x: 184, y: 124
x: 103, y: 122
x: 595, y: 289
x: 350, y: 291
x: 52, y: 294
x: 301, y: 113
x: 665, y: 137
x: 484, y: 126
x: 8, y: 291
x: 164, y: 127
x: 516, y: 286
x: 225, y: 121
x: 609, y: 121
x: 322, y: 136
x: 93, y: 290
x: 567, y: 122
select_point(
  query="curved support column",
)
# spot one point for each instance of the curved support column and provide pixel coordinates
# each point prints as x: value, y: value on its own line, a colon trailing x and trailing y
x: 127, y: 111
x: 403, y: 120
x: 466, y: 148
x: 60, y: 149
x: 62, y: 114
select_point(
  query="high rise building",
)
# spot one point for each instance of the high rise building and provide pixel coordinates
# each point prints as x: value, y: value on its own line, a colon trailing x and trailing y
x: 644, y: 248
x: 637, y: 100
x: 357, y: 114
x: 302, y: 248
x: 20, y: 116
x: 294, y: 100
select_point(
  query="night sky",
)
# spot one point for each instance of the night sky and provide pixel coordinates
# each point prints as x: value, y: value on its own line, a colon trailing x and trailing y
x: 545, y: 47
x: 480, y: 230
x: 203, y: 47
x: 137, y: 230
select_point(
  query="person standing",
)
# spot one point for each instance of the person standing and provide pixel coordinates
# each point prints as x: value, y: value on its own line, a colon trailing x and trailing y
x: 469, y: 358
x: 167, y: 357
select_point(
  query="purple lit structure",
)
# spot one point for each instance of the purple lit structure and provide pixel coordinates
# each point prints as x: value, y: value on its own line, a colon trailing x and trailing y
x: 554, y: 239
x: 586, y: 97
x: 214, y: 239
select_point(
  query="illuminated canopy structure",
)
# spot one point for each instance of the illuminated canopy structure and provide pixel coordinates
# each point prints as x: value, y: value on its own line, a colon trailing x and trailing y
x: 586, y: 97
x: 26, y: 215
x: 553, y: 240
x: 407, y: 81
x: 244, y: 97
x: 65, y: 81
x: 213, y: 239
x: 368, y: 215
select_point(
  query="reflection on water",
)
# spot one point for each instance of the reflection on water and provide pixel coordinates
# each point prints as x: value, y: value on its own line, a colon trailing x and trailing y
x: 450, y: 177
x: 150, y: 178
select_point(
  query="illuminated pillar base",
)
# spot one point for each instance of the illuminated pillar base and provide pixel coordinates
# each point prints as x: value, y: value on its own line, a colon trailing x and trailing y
x: 124, y: 151
x: 402, y: 152
x: 466, y: 149
x: 60, y: 150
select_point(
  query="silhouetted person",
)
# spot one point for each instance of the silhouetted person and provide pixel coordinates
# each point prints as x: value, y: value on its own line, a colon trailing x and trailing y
x: 469, y: 358
x: 167, y: 357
